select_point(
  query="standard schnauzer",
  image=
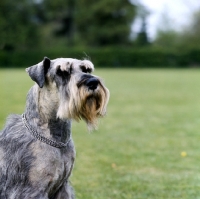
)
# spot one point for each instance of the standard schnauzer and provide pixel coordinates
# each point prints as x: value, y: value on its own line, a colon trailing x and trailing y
x: 36, y: 149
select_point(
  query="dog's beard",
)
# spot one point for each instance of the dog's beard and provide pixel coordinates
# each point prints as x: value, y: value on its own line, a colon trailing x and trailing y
x: 85, y: 104
x: 90, y: 111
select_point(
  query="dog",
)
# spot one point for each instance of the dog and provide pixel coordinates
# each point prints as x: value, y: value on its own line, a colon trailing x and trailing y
x: 36, y: 148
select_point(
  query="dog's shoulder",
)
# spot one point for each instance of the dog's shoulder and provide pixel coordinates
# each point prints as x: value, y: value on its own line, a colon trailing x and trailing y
x: 13, y: 131
x: 11, y: 121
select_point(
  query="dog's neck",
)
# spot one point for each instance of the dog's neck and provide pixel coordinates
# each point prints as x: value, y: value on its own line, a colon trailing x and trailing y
x: 43, y: 118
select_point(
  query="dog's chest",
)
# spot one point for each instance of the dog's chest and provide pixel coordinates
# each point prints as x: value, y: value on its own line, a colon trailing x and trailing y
x: 51, y: 167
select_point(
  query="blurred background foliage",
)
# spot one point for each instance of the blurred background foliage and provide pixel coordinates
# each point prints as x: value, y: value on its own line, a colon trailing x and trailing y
x: 101, y: 30
x: 65, y: 23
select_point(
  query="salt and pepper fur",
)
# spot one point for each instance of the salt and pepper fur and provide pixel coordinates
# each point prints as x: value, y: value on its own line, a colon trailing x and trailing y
x: 29, y: 168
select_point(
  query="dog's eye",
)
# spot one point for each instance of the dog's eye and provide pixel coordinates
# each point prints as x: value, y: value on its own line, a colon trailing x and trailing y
x: 85, y: 70
x: 66, y: 74
x: 63, y: 74
x: 59, y: 72
x: 89, y: 70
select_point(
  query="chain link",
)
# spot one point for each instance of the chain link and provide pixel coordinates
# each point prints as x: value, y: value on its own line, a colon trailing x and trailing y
x: 42, y: 138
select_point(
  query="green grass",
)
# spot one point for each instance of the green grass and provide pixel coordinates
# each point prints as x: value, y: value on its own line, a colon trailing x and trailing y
x: 153, y: 116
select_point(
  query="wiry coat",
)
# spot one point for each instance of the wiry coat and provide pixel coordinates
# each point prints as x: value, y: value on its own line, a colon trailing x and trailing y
x: 29, y: 167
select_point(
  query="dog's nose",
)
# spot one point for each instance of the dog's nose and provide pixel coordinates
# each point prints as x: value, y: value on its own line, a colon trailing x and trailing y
x: 92, y: 83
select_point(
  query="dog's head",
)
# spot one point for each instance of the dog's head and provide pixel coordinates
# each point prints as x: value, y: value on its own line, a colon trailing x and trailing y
x: 80, y: 94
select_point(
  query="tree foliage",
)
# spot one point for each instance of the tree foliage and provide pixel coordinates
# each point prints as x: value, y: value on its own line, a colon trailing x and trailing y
x: 105, y: 22
x: 18, y: 25
x: 186, y: 37
x: 191, y: 33
x: 30, y: 22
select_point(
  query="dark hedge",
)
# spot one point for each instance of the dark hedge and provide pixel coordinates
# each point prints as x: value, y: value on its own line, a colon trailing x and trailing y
x: 107, y: 57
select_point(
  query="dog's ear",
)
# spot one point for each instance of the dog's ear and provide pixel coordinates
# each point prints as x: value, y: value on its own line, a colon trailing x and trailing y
x: 39, y: 71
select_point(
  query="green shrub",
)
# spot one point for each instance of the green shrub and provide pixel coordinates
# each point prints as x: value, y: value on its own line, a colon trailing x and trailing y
x: 107, y: 57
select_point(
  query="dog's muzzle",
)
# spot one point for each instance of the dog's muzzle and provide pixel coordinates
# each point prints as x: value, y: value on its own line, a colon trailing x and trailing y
x: 89, y: 81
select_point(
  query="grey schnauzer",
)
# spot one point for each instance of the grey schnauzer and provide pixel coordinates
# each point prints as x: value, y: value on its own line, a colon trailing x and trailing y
x: 36, y: 149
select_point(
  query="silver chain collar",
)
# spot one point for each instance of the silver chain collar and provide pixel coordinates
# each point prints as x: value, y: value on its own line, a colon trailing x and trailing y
x: 42, y: 138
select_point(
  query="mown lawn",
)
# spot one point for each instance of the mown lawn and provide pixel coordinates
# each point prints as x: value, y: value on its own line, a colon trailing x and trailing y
x: 148, y: 145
